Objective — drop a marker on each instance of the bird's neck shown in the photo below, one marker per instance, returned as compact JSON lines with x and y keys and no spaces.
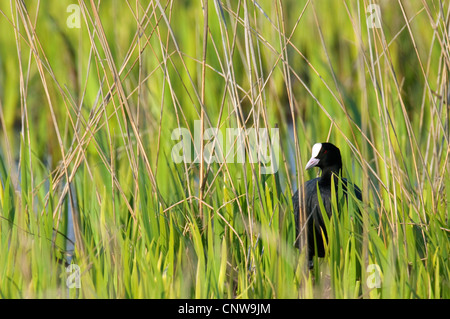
{"x":328,"y":173}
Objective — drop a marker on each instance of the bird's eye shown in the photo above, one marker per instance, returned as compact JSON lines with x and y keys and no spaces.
{"x":325,"y":151}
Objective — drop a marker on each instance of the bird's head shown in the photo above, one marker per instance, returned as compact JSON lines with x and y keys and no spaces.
{"x":325,"y":156}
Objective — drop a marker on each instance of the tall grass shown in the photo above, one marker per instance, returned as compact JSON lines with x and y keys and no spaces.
{"x":87,"y":176}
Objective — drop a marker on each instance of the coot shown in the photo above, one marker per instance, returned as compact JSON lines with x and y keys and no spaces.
{"x":327,"y":157}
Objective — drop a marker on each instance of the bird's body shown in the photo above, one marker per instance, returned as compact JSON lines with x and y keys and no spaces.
{"x":328,"y":158}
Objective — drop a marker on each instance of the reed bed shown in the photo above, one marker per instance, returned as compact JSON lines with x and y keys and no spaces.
{"x":92,"y":91}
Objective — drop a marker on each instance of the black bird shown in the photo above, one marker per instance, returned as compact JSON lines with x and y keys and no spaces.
{"x":327,"y":157}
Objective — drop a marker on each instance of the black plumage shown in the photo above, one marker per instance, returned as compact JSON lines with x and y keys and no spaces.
{"x":327,"y":157}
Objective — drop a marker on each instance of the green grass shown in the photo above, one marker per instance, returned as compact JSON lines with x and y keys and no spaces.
{"x":86,"y":117}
